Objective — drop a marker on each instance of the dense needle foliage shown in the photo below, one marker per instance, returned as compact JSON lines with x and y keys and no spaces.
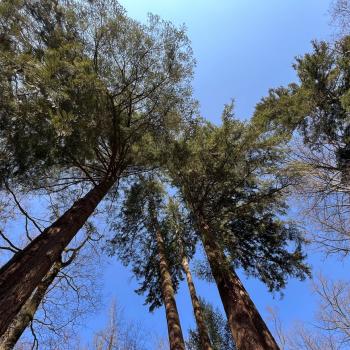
{"x":219,"y":331}
{"x":144,"y":211}
{"x":318,"y":104}
{"x":83,"y":86}
{"x":232,"y":177}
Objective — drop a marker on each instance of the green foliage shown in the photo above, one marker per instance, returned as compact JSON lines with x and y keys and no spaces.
{"x":144,"y":211}
{"x":218,"y":328}
{"x":318,"y":105}
{"x":181,"y":226}
{"x":82,"y":84}
{"x":232,"y":177}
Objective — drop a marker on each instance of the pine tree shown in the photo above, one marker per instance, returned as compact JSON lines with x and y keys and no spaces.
{"x":219,"y":330}
{"x":86,"y":91}
{"x":185,"y":239}
{"x":312,"y":116}
{"x":231,"y":180}
{"x":144,"y":240}
{"x":318,"y":105}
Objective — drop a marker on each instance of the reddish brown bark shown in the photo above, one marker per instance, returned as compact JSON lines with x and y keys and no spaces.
{"x":176,"y":339}
{"x":23,"y":273}
{"x":201,"y":325}
{"x":247,"y":326}
{"x":27,"y":312}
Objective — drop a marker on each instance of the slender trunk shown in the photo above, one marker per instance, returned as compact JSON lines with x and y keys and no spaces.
{"x":247,"y":326}
{"x":201,"y":325}
{"x":23,"y":273}
{"x":176,"y":339}
{"x":26,"y":314}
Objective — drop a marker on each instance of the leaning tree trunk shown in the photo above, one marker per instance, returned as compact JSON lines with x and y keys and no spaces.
{"x":247,"y":326}
{"x":23,"y":273}
{"x":26,"y":314}
{"x":176,"y":339}
{"x":198,"y":314}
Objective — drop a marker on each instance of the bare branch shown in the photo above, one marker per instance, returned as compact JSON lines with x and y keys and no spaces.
{"x":11,"y":247}
{"x":22,"y":210}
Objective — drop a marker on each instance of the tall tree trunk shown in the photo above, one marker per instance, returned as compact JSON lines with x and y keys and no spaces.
{"x":201,"y":325}
{"x":23,"y":273}
{"x":176,"y":339}
{"x":247,"y":326}
{"x":26,"y":314}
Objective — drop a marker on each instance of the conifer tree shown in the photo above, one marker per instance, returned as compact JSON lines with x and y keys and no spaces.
{"x":144,"y":240}
{"x":231,"y":181}
{"x":219,"y":330}
{"x":85,"y":90}
{"x":186,"y":240}
{"x":312,"y":114}
{"x":317,"y":105}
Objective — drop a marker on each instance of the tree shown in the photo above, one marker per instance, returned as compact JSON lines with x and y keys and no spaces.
{"x":340,"y":14}
{"x":85,"y":86}
{"x":26,"y":314}
{"x":333,"y":311}
{"x":118,"y":335}
{"x":144,"y":239}
{"x":302,"y":337}
{"x":331,"y":327}
{"x":230,"y":180}
{"x":203,"y":334}
{"x":183,"y":229}
{"x":313,"y":116}
{"x":219,"y":330}
{"x":70,"y":284}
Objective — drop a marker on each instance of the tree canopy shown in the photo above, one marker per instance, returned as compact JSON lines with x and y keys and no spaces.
{"x":95,"y":105}
{"x":232,"y":176}
{"x":83,"y":85}
{"x":318,"y":104}
{"x":135,"y":240}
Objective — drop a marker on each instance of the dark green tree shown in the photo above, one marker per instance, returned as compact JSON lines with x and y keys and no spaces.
{"x":313,"y":115}
{"x":318,"y":105}
{"x":232,"y":181}
{"x":86,"y":91}
{"x":145,"y":239}
{"x":185,"y":238}
{"x":219,"y":330}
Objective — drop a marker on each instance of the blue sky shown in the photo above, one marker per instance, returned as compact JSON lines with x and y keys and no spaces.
{"x":242,"y":48}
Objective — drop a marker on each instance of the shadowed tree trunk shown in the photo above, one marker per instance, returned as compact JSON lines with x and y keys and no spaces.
{"x":247,"y":326}
{"x":201,"y":325}
{"x":176,"y":339}
{"x":27,"y":268}
{"x":26,"y":314}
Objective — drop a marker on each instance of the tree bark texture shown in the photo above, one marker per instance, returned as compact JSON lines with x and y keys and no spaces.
{"x":198,"y":314}
{"x":28,"y":310}
{"x":176,"y":339}
{"x":247,"y":326}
